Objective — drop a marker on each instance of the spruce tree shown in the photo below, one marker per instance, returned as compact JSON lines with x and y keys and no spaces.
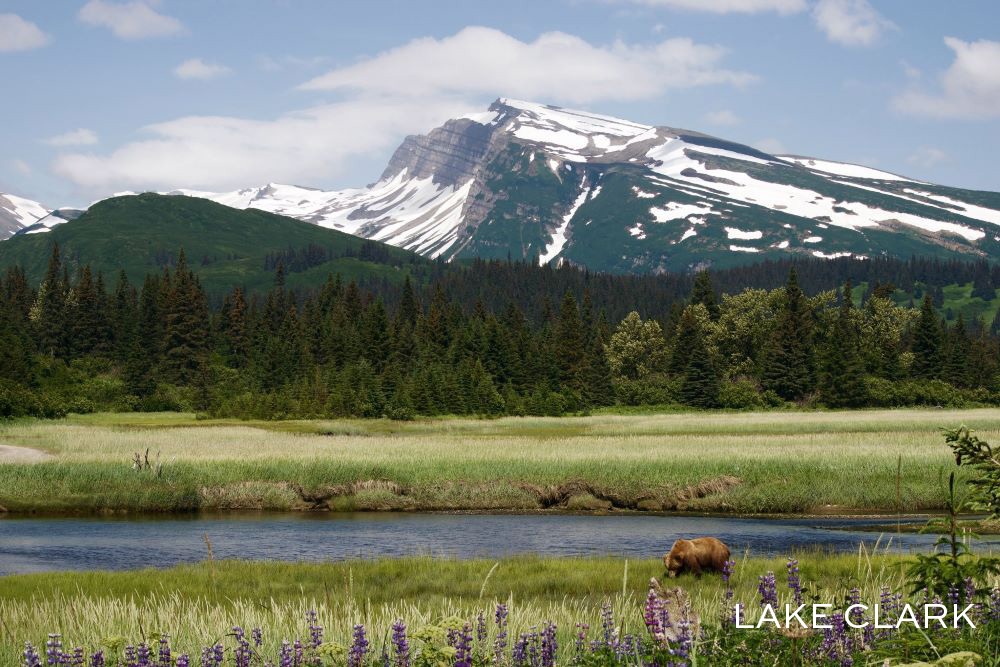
{"x":49,"y":312}
{"x":927,"y":344}
{"x":956,"y":363}
{"x":569,"y":345}
{"x":841,"y":378}
{"x":124,"y":318}
{"x":788,"y":362}
{"x":377,"y":343}
{"x":235,"y":332}
{"x":688,"y":329}
{"x":186,"y":326}
{"x":704,"y":293}
{"x":700,"y":380}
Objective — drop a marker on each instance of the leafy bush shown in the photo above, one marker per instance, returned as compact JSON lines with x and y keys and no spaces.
{"x":889,"y":394}
{"x":654,"y":389}
{"x":741,"y":394}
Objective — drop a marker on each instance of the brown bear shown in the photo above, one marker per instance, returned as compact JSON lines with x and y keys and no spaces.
{"x":696,"y":556}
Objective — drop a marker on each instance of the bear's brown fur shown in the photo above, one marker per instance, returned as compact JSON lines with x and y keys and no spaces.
{"x":696,"y":556}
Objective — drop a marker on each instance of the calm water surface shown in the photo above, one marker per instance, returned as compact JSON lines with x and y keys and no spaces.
{"x":45,"y":544}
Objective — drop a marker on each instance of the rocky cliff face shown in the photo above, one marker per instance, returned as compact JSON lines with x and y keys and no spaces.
{"x":449,"y":155}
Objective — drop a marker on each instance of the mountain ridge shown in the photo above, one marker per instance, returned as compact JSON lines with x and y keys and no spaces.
{"x":530,"y":180}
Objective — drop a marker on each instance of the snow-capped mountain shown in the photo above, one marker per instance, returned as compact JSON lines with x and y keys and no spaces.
{"x":528,"y":180}
{"x":16,"y":213}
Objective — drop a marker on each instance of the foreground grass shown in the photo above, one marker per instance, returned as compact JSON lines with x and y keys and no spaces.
{"x":743,"y":462}
{"x":194,"y":603}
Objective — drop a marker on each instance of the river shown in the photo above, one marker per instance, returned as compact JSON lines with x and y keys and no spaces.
{"x":47,"y":544}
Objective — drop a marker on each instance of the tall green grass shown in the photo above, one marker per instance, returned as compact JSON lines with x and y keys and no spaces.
{"x":196,"y":604}
{"x":783,"y":462}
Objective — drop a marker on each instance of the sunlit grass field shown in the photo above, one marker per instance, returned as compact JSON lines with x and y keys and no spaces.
{"x":770,"y":462}
{"x":197,"y":604}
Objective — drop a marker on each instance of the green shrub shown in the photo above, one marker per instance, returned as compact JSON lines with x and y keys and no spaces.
{"x":741,"y":394}
{"x":651,"y":390}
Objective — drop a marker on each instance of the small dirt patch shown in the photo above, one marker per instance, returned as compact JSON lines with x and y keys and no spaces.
{"x":11,"y":454}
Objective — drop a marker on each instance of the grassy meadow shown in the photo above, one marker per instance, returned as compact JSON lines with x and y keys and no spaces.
{"x":197,"y":604}
{"x":772,"y":462}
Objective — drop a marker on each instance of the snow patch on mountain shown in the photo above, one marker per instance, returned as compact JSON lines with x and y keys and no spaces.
{"x":17,"y":213}
{"x":558,"y":242}
{"x":843,"y":168}
{"x":733,"y":233}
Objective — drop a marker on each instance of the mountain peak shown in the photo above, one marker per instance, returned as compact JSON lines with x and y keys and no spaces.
{"x":527,"y":180}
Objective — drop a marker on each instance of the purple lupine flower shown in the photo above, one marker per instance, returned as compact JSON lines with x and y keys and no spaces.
{"x":143,"y":655}
{"x":854,"y":598}
{"x":97,"y":660}
{"x":995,"y":603}
{"x":31,"y":657}
{"x":582,"y":629}
{"x":836,"y":644}
{"x":684,"y":639}
{"x":794,"y":583}
{"x":257,"y":636}
{"x":728,"y":568}
{"x":549,"y":645}
{"x":519,"y":654}
{"x":315,"y":630}
{"x":608,"y":624}
{"x":767,"y":589}
{"x":285,"y":656}
{"x":359,"y":647}
{"x":500,"y":643}
{"x":53,"y":650}
{"x":480,"y":627}
{"x":166,"y":660}
{"x":970,"y":590}
{"x":212,"y":656}
{"x":77,"y":659}
{"x":243,"y":653}
{"x":299,"y":652}
{"x":534,"y":649}
{"x":400,"y":645}
{"x":652,"y":613}
{"x":953,"y":595}
{"x":463,"y":647}
{"x":183,"y":660}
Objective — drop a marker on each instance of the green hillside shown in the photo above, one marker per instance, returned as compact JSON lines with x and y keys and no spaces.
{"x":227,"y":247}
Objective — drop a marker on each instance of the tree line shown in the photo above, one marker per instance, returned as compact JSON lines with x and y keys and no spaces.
{"x":469,"y":342}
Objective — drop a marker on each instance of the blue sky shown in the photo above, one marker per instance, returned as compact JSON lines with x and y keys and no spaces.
{"x":110,"y":95}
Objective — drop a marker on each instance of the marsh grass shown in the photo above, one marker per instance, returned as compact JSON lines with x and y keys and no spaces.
{"x":196,"y":604}
{"x":785,"y":461}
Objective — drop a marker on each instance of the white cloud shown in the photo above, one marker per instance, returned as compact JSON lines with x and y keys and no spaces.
{"x":850,"y":22}
{"x":277,"y":64}
{"x":79,"y":137}
{"x":729,"y":6}
{"x":21,"y":166}
{"x":310,"y":147}
{"x":970,"y":87}
{"x":928,"y":157}
{"x":724,"y":117}
{"x":407,"y":90}
{"x":130,"y":20}
{"x":196,"y":68}
{"x":556,"y":67}
{"x":16,"y":34}
{"x":771,"y":145}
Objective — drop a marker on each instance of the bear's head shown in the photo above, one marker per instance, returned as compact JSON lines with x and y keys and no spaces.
{"x":674,"y":561}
